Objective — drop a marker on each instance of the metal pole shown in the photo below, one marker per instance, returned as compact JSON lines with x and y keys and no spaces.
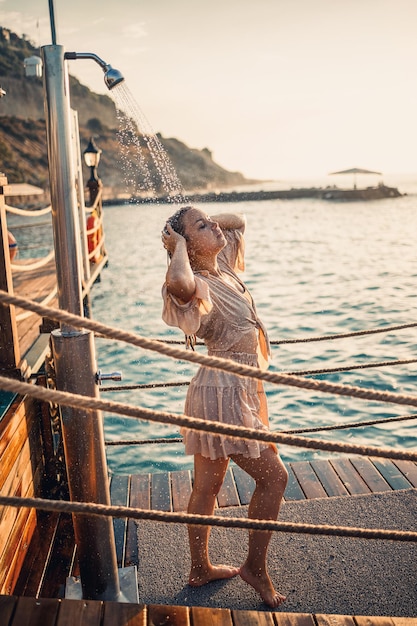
{"x":62,"y":180}
{"x":52,"y":21}
{"x":74,"y":350}
{"x":86,"y":466}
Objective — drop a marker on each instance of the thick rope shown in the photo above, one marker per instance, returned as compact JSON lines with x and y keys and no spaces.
{"x":292,"y":431}
{"x":348,"y":425}
{"x":28,"y":267}
{"x":204,"y":520}
{"x":208,"y":361}
{"x":357,"y":333}
{"x":348,"y":368}
{"x":329,"y":370}
{"x":183,"y":383}
{"x":26,"y":213}
{"x":88,"y":402}
{"x":143,"y":442}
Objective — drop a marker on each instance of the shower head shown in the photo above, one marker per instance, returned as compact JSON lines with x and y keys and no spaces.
{"x":112,"y":77}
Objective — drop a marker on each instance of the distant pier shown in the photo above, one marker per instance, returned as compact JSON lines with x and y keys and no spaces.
{"x":319,"y":193}
{"x":328,"y":193}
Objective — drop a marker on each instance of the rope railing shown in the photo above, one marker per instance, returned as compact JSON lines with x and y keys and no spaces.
{"x":291,"y":431}
{"x":96,"y":235}
{"x":125,"y":512}
{"x":352,"y":425}
{"x":27,"y":213}
{"x":195,"y":423}
{"x":98,"y":247}
{"x":98,"y":198}
{"x":99,"y":223}
{"x":97,"y":201}
{"x":183,"y":383}
{"x":329,"y":370}
{"x":28,"y":267}
{"x":143,"y":442}
{"x":209,"y":361}
{"x":349,"y":368}
{"x":51,"y":295}
{"x":86,"y":402}
{"x":356,"y":333}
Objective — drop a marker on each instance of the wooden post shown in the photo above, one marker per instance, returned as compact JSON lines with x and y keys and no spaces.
{"x":10,"y":362}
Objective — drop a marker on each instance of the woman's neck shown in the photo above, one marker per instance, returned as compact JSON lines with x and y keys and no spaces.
{"x":203,"y":264}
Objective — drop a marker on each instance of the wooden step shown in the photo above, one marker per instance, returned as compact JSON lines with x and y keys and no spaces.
{"x":24,"y":611}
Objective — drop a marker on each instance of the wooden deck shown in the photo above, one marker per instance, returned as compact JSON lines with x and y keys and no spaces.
{"x":52,"y":556}
{"x":307,"y":479}
{"x":37,"y":284}
{"x":53,"y":612}
{"x":170,"y":492}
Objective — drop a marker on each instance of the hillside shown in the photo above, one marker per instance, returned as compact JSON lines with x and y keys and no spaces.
{"x":23,"y":156}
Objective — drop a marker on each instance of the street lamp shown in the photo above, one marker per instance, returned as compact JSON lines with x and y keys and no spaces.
{"x":92,"y":158}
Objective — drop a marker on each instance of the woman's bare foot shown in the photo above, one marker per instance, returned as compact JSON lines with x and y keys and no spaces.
{"x":263,"y":585}
{"x":200,"y":576}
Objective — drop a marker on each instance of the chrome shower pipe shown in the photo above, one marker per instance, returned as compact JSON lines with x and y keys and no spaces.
{"x":62,"y":177}
{"x":112,"y":77}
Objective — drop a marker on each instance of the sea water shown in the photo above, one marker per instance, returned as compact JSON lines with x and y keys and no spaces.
{"x":314,"y":268}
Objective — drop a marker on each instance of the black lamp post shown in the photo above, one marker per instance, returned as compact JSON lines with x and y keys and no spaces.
{"x":92,"y":158}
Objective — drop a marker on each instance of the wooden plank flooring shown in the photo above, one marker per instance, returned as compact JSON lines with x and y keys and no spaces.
{"x":170,"y":492}
{"x":26,"y":611}
{"x":307,"y":480}
{"x":36,"y":285}
{"x":51,"y":560}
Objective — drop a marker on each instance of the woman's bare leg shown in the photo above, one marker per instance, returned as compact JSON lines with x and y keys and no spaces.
{"x":271,"y":478}
{"x":208,"y":478}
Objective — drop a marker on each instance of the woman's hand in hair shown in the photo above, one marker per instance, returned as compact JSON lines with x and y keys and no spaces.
{"x":171,"y":239}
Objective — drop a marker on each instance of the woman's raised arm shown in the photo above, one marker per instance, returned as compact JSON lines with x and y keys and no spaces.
{"x":179,"y":280}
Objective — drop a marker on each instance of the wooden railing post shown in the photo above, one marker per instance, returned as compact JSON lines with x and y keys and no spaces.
{"x":10,"y":361}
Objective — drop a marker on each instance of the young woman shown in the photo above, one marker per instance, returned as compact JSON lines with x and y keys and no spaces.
{"x":203,"y":296}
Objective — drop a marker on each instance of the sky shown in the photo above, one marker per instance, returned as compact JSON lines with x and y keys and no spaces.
{"x":276,"y":89}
